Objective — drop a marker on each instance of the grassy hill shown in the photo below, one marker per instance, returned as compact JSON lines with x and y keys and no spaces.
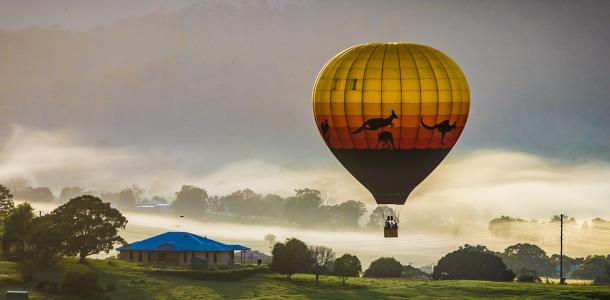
{"x":133,"y":282}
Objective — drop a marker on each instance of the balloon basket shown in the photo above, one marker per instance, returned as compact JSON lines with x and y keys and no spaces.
{"x":390,"y":232}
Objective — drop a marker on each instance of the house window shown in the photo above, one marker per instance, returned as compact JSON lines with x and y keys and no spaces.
{"x":140,"y":256}
{"x":185,"y":257}
{"x":149,"y":258}
{"x":161,"y":256}
{"x":207,"y":256}
{"x":130,"y":255}
{"x":192,"y":255}
{"x":215,"y":258}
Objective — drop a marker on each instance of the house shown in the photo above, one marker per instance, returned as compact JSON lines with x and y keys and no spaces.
{"x":179,"y":248}
{"x":253,"y":257}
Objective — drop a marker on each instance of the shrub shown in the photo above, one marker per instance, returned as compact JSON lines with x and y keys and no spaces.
{"x":384,"y":267}
{"x":473,"y":263}
{"x":527,"y":275}
{"x":199,"y":263}
{"x":81,"y":284}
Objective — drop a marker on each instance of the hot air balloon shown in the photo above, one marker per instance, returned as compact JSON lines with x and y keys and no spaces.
{"x":390,"y":113}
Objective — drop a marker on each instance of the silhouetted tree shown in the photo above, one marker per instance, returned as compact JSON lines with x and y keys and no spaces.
{"x":70,"y":192}
{"x":472,"y":262}
{"x":593,"y":267}
{"x":291,"y":257}
{"x":322,"y":258}
{"x":90,"y":225}
{"x":39,"y":194}
{"x":384,"y":267}
{"x":190,"y":201}
{"x":304,"y":206}
{"x":347,"y":266}
{"x":346,"y":214}
{"x":570,"y":264}
{"x":527,"y":257}
{"x":46,"y":238}
{"x":378,"y":216}
{"x":15,"y":228}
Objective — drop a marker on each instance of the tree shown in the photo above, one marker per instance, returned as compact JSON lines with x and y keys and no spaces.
{"x":413,"y":273}
{"x":39,"y":194}
{"x":474,"y":263}
{"x":378,"y":216}
{"x":70,"y":192}
{"x":291,"y":257}
{"x":15,"y":228}
{"x":270,"y":238}
{"x":322,"y":258}
{"x":46,"y":238}
{"x":524,"y":258}
{"x":304,"y":206}
{"x":190,"y":201}
{"x":346,"y":214}
{"x":90,"y":225}
{"x":593,"y":267}
{"x":384,"y":267}
{"x":347,"y":266}
{"x":6,"y":204}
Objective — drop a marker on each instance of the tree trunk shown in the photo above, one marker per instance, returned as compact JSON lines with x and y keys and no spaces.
{"x":343,"y":280}
{"x":317,"y":276}
{"x":82,"y":259}
{"x":288,"y":276}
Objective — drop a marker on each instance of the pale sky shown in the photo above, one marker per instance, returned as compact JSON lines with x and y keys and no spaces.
{"x":160,"y":93}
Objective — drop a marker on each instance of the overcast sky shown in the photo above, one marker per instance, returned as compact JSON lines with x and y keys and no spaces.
{"x":161,"y":93}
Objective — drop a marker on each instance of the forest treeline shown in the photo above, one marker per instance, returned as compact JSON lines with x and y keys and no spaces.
{"x":307,"y":207}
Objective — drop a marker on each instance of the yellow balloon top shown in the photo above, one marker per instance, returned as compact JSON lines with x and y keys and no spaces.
{"x":414,"y":88}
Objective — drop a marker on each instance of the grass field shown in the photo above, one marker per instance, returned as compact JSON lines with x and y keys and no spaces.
{"x":134,"y":282}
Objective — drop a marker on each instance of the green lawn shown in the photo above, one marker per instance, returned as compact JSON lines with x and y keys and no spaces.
{"x":134,"y":282}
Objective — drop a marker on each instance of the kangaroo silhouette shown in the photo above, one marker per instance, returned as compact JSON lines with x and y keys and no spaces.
{"x":385,"y":139}
{"x":442,"y":127}
{"x":376,"y":123}
{"x":325,"y":128}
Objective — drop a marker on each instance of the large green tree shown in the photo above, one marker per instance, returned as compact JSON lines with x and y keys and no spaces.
{"x":347,"y":266}
{"x":6,"y":201}
{"x":15,"y":228}
{"x":47,"y":239}
{"x":91,"y":226}
{"x":291,"y":257}
{"x":472,"y":262}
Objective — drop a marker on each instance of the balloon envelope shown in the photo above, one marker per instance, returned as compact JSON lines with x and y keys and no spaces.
{"x":390,"y":113}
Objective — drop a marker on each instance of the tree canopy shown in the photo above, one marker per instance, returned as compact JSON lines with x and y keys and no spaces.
{"x":322,"y":260}
{"x":91,"y":226}
{"x":190,"y":201}
{"x":472,"y":262}
{"x":525,"y":258}
{"x":347,"y":266}
{"x":15,"y":228}
{"x":291,"y":257}
{"x":384,"y":267}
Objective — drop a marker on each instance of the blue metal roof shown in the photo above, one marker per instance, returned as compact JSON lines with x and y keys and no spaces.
{"x":180,"y":241}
